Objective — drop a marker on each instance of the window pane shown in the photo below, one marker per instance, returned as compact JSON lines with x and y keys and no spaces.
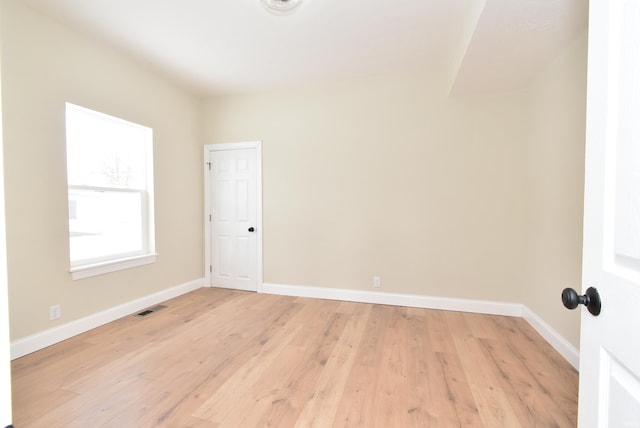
{"x":103,"y":151}
{"x":105,"y":223}
{"x":110,"y":181}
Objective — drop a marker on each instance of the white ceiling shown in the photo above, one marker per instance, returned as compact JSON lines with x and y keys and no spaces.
{"x":224,"y":46}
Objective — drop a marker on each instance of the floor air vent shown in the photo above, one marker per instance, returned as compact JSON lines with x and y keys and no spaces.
{"x":151,"y":310}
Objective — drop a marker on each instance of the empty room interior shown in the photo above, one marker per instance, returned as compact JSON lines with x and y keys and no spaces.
{"x":418,"y":212}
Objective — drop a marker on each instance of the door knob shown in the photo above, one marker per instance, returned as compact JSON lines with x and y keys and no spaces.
{"x":591,"y":299}
{"x":252,"y":229}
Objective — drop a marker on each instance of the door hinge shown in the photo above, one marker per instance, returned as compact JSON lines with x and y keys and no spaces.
{"x":209,"y":164}
{"x":209,"y":217}
{"x":210,"y":268}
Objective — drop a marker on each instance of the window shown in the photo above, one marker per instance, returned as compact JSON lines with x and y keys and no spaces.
{"x":110,"y":180}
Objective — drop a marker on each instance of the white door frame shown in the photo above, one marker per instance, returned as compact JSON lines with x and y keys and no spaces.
{"x":257,"y":145}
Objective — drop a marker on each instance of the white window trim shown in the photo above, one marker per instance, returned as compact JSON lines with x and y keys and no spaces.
{"x":87,"y":271}
{"x":148,"y":254}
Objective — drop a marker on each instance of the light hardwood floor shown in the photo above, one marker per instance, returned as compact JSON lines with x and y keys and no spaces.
{"x":221,"y":358}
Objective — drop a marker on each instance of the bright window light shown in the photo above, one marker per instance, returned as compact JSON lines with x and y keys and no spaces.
{"x":110,"y":183}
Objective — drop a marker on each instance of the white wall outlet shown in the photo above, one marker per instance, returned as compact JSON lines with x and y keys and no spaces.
{"x":376,"y":281}
{"x":54,"y":312}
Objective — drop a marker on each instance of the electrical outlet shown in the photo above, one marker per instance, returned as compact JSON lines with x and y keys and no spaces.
{"x":54,"y":312}
{"x":376,"y":281}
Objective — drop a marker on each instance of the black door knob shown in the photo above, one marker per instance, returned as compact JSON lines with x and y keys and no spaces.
{"x":252,"y":229}
{"x":591,"y":299}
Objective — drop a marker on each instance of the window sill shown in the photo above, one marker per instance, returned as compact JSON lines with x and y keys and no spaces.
{"x":87,"y":271}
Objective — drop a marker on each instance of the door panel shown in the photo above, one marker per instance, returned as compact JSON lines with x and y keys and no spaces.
{"x":234,"y":210}
{"x":223,"y":252}
{"x":621,"y":392}
{"x":609,"y":345}
{"x":242,"y":200}
{"x":243,"y":250}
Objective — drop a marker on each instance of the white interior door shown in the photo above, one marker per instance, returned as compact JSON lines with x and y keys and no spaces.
{"x":234,"y":215}
{"x":610,"y":342}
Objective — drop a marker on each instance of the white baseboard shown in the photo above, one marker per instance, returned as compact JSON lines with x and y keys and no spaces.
{"x":560,"y":344}
{"x":57,"y":334}
{"x":54,"y":335}
{"x":397,"y":299}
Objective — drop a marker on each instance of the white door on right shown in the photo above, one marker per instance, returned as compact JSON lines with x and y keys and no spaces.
{"x":234,"y":218}
{"x":610,"y":342}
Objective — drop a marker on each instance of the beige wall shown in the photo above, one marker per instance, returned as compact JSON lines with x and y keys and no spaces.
{"x":473,"y":197}
{"x":387,"y":176}
{"x":556,"y":188}
{"x":43,"y":66}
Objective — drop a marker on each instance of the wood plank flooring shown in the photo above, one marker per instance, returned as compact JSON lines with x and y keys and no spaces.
{"x":221,"y":358}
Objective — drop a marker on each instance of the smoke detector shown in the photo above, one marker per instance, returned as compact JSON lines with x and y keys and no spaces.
{"x":281,"y":7}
